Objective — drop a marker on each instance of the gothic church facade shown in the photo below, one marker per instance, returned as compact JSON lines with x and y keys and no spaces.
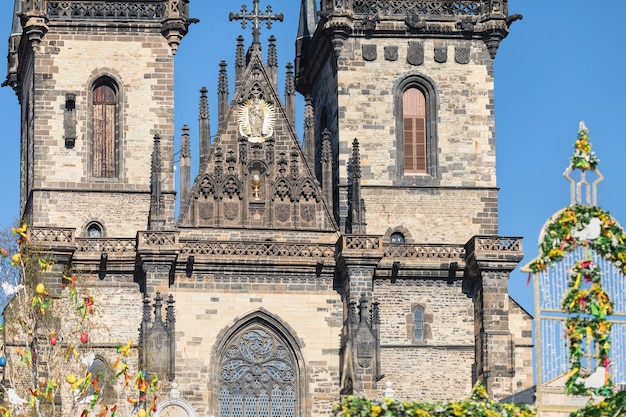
{"x":296,"y":270}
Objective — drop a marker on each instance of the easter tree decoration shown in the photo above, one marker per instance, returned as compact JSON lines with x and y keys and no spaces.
{"x":51,"y":366}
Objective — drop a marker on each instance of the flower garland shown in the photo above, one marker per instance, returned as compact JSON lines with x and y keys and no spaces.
{"x":565,"y":232}
{"x":584,"y":158}
{"x":477,"y":405}
{"x":577,"y":329}
{"x":591,"y":227}
{"x":593,"y":300}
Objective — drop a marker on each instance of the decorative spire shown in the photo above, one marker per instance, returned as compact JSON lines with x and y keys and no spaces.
{"x":256,"y":18}
{"x":185,"y":148}
{"x":362,"y":308}
{"x":356,"y":221}
{"x":290,"y":88}
{"x":185,"y":164}
{"x":205,"y":128}
{"x":356,"y":159}
{"x":375,"y":320}
{"x":290,"y":93}
{"x":16,"y":27}
{"x":272,"y":60}
{"x":157,"y":307}
{"x":222,"y":94}
{"x":309,"y":129}
{"x":240,"y":60}
{"x":222,"y":85}
{"x":156,"y":199}
{"x":158,"y":338}
{"x":327,"y":166}
{"x":583,"y":159}
{"x":170,"y":319}
{"x":294,"y":162}
{"x":306,"y":29}
{"x":352,"y":316}
{"x":144,"y":329}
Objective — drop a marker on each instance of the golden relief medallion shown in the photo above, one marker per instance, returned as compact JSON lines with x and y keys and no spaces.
{"x":256,"y":120}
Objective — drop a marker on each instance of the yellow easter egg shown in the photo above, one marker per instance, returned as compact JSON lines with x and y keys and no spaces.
{"x":71,"y":378}
{"x":40,"y":288}
{"x":141,"y":413}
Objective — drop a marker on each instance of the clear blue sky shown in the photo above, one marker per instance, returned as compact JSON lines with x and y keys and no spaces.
{"x":562,"y":63}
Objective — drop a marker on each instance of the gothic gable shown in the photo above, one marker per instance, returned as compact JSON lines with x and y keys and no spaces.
{"x":256,"y":175}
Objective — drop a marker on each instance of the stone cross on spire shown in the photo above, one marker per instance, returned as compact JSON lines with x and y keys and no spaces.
{"x":256,"y":18}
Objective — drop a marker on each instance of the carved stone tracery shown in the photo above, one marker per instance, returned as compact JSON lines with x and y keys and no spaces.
{"x":431,"y":7}
{"x":271,"y":249}
{"x":259,"y":371}
{"x":106,"y":9}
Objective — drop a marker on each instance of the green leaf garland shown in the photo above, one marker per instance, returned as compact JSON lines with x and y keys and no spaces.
{"x":586,"y":300}
{"x":477,"y":405}
{"x":560,"y":238}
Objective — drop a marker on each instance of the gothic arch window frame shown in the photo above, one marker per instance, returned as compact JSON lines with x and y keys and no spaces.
{"x":428,"y":89}
{"x":111,"y":80}
{"x":279,"y":329}
{"x":95,"y":230}
{"x":426,"y":324}
{"x":408,"y":238}
{"x":418,"y":323}
{"x":91,"y":223}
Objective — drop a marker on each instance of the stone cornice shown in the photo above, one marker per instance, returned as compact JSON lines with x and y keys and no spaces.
{"x":481,"y":253}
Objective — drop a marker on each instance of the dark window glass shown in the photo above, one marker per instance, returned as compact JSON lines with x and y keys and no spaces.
{"x":396,"y":238}
{"x":418,"y":324}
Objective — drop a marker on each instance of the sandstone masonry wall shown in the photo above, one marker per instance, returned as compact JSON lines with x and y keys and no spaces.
{"x":212,"y":304}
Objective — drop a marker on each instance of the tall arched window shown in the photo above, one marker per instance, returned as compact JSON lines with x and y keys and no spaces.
{"x":104,"y":129}
{"x":258,"y":375}
{"x":416,"y":127}
{"x":414,"y":130}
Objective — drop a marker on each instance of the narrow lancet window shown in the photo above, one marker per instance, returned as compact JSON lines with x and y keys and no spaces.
{"x":418,"y":323}
{"x":414,"y":126}
{"x":104,"y":122}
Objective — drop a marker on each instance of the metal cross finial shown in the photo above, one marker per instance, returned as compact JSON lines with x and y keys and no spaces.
{"x":256,"y":18}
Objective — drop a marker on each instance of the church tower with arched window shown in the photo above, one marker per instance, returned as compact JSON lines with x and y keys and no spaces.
{"x":401,"y":96}
{"x":85,"y":149}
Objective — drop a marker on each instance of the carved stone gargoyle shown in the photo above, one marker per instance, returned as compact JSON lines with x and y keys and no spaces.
{"x":415,"y":22}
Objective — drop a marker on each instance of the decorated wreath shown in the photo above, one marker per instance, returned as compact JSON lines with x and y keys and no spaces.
{"x":585,"y":301}
{"x":581,"y":225}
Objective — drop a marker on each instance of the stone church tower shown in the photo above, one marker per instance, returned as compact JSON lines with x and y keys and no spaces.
{"x":365,"y":256}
